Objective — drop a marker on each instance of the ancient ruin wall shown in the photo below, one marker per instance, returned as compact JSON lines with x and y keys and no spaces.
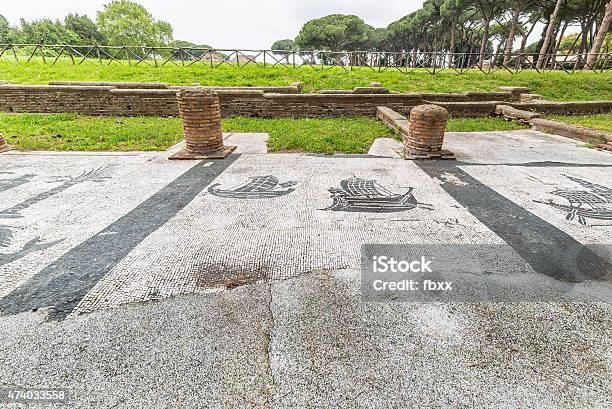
{"x":110,"y":99}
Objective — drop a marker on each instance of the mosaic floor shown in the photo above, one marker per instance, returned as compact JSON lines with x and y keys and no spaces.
{"x":84,"y":232}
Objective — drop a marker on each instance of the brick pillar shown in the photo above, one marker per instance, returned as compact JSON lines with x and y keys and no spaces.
{"x":426,"y":136}
{"x":201,"y":117}
{"x":3,"y":145}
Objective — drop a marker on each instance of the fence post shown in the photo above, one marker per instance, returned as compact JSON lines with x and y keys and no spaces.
{"x":437,"y":60}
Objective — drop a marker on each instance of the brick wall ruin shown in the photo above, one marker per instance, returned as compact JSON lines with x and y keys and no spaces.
{"x":155,"y":99}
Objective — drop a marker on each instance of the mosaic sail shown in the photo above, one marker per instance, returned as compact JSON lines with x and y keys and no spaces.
{"x":257,"y":187}
{"x":360,"y":195}
{"x":593,"y":203}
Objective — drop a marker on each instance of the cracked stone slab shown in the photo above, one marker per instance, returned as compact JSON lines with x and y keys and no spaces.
{"x":310,"y":340}
{"x":305,"y":339}
{"x":187,"y":352}
{"x":332,"y":350}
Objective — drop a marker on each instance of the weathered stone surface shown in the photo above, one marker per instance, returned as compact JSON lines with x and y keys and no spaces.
{"x":565,"y":108}
{"x":515,"y":91}
{"x":370,"y":90}
{"x":530,"y":97}
{"x":570,"y":131}
{"x":509,"y":112}
{"x":393,"y":120}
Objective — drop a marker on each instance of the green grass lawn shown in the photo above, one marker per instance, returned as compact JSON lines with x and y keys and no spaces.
{"x":482,"y":124}
{"x":74,"y":132}
{"x":338,"y":135}
{"x":342,"y":135}
{"x":600,"y":121}
{"x":552,"y":85}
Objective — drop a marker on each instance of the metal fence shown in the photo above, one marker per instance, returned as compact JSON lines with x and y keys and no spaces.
{"x":405,"y":62}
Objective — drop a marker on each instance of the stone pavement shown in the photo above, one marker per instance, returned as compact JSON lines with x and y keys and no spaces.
{"x":256,"y":262}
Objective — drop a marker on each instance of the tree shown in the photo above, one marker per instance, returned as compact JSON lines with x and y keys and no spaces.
{"x":401,"y":34}
{"x":8,"y":34}
{"x":285,"y":45}
{"x":124,"y":22}
{"x":568,"y":43}
{"x":450,"y":13}
{"x":284,"y":48}
{"x":85,"y":28}
{"x":46,"y":31}
{"x":517,"y":6}
{"x":336,"y":32}
{"x":549,"y":33}
{"x":377,"y":40}
{"x":488,"y":10}
{"x":604,"y":27}
{"x":408,"y":33}
{"x":190,"y":51}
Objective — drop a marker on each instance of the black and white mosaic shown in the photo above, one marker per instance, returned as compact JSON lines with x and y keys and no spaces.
{"x":368,"y":196}
{"x":225,"y":242}
{"x":200,"y":227}
{"x":592,"y":201}
{"x":257,"y":187}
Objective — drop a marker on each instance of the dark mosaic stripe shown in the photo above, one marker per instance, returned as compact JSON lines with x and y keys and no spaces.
{"x":8,"y":184}
{"x":64,"y":283}
{"x":546,"y":248}
{"x":546,"y":165}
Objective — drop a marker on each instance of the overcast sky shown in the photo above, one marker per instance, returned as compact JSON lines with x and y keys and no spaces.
{"x":225,"y":23}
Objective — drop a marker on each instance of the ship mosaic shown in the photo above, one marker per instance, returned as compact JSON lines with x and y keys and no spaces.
{"x":257,"y":187}
{"x":368,"y":196}
{"x":592,"y":202}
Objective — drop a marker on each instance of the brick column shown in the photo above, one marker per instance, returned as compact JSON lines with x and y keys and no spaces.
{"x":426,"y":136}
{"x":3,"y":145}
{"x":201,"y":117}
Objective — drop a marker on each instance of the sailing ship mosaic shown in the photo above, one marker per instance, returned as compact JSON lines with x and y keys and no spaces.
{"x":257,"y":187}
{"x":368,"y":196}
{"x":592,"y":202}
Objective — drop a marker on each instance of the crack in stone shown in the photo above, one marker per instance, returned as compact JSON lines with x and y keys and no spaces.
{"x":272,"y":391}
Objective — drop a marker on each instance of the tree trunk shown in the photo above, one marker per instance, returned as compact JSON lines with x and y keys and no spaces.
{"x":510,"y":40}
{"x":561,"y":34}
{"x":485,"y":40}
{"x":497,"y":53}
{"x":541,"y":40}
{"x":583,"y":47}
{"x":451,"y":48}
{"x":549,"y":34}
{"x":526,"y":37}
{"x":601,"y":35}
